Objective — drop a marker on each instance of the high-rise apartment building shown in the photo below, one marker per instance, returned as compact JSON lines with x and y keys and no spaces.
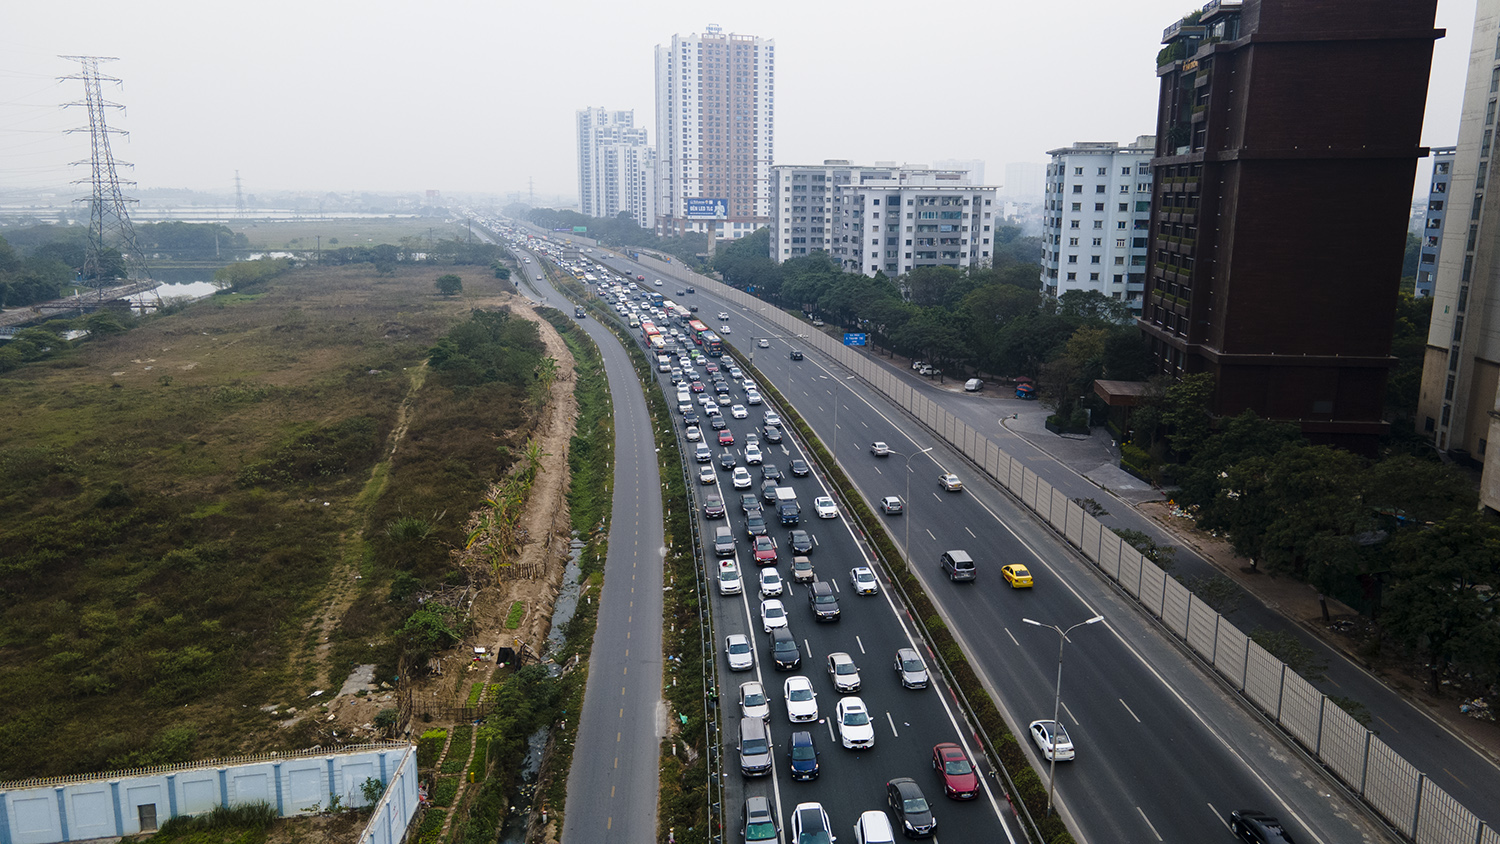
{"x":715,"y":133}
{"x":616,"y":166}
{"x":1096,"y":219}
{"x":1286,"y":145}
{"x":1459,"y":405}
{"x":1431,"y":233}
{"x":882,"y":218}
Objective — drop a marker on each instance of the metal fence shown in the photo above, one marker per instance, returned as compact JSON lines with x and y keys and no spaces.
{"x":1390,"y":785}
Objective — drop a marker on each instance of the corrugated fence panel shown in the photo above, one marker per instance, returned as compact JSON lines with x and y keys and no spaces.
{"x":1263,"y":679}
{"x":1444,"y":820}
{"x":1109,"y":553}
{"x":1089,"y":538}
{"x":1342,"y":746}
{"x":1057,"y":514}
{"x":1073,"y":518}
{"x":1028,"y":489}
{"x":1044,"y":499}
{"x":1391,"y":785}
{"x":1202,"y":622}
{"x":1301,"y":709}
{"x":1229,"y":653}
{"x":1153,"y":580}
{"x":1174,"y":606}
{"x":1132,"y":565}
{"x":1015,"y":481}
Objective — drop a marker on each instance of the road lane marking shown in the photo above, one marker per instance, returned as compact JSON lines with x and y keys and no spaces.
{"x":1128,"y":709}
{"x":1012,"y":636}
{"x":971,"y":533}
{"x":1460,"y":782}
{"x":892,"y":723}
{"x":831,"y":736}
{"x":1148,"y":823}
{"x":1388,"y":724}
{"x":1071,"y":716}
{"x":1220,"y":817}
{"x":929,"y":533}
{"x":861,"y":644}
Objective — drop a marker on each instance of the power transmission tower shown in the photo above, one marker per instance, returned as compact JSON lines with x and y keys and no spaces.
{"x":239,"y":196}
{"x":109,"y":221}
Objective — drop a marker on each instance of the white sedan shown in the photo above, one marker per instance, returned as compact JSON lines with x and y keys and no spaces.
{"x":752,"y":397}
{"x":753,"y":703}
{"x":739,"y":411}
{"x":772,"y":614}
{"x":864,"y":581}
{"x":724,"y":329}
{"x":741,"y":478}
{"x":1052,"y":739}
{"x":723,"y":315}
{"x":773,"y":418}
{"x":825,"y":508}
{"x":853,"y":721}
{"x":693,"y":434}
{"x":741,"y":655}
{"x":801,"y":700}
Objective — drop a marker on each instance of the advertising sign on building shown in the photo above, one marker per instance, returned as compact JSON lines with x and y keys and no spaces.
{"x":701,"y":208}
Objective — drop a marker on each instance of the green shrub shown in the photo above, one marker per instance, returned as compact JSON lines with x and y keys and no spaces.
{"x":444,"y":790}
{"x":430,"y":747}
{"x":517,"y":612}
{"x":432,"y":824}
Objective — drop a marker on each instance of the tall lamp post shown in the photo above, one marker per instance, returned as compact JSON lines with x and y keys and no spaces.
{"x":1062,"y":637}
{"x":906,"y":542}
{"x":838,"y":389}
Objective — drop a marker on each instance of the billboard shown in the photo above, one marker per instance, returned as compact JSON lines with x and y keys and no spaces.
{"x":700,"y":208}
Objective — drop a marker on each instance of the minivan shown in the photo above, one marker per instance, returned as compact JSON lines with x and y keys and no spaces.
{"x":724,"y":541}
{"x":958,"y":565}
{"x":755,"y":748}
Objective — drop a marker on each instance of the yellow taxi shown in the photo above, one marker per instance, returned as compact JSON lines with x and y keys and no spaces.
{"x":1017,"y":576}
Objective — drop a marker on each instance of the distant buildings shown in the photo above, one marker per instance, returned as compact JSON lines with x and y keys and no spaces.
{"x":616,"y":166}
{"x":715,"y":133}
{"x":1096,"y":219}
{"x":1431,"y":233}
{"x":1458,"y":403}
{"x":1286,"y":145}
{"x":882,"y":218}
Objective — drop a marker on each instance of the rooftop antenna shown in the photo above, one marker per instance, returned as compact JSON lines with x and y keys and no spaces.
{"x":109,"y":221}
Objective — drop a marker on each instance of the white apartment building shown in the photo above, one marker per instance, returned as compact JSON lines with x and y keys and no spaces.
{"x":715,"y":133}
{"x":882,"y":218}
{"x":1433,"y":215}
{"x":616,"y":166}
{"x":1096,"y":219}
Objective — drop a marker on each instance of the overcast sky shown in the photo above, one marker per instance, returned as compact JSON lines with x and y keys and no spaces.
{"x":457,"y":96}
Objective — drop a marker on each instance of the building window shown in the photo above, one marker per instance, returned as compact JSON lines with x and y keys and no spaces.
{"x":1093,"y":276}
{"x":1099,"y":224}
{"x":1073,"y":224}
{"x":1078,"y":171}
{"x":1099,"y":206}
{"x":1072,"y":241}
{"x":1094,"y":259}
{"x":1072,"y":259}
{"x":1104,"y":171}
{"x":1078,"y":206}
{"x":1072,"y":276}
{"x":1099,"y":188}
{"x":1079,"y":188}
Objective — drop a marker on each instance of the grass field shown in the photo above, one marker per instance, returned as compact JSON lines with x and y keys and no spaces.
{"x":173,"y":501}
{"x":303,"y":234}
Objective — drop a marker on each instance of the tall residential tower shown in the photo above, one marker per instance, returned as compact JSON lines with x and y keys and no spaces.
{"x":616,"y":166}
{"x":1097,"y":219}
{"x":715,"y":133}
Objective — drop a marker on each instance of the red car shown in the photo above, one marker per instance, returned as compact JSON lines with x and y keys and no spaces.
{"x":765,"y":551}
{"x":725,"y":437}
{"x":697,"y":387}
{"x":960,"y":782}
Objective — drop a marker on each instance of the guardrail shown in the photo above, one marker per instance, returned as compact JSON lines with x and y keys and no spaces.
{"x":1394,"y":788}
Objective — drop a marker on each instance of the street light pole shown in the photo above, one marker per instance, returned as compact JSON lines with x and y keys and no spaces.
{"x":1062,"y":637}
{"x":906,"y":542}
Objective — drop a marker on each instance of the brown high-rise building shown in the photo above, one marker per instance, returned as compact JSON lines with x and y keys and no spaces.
{"x":1287,"y":139}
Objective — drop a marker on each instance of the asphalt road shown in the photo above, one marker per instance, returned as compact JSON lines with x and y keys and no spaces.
{"x":612,"y":786}
{"x":1164,"y":752}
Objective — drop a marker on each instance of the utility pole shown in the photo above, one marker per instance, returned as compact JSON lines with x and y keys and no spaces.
{"x":109,"y":221}
{"x":239,"y":196}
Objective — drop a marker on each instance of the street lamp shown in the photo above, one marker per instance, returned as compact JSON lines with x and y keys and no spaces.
{"x":906,"y":542}
{"x":838,"y":388}
{"x":1062,"y":636}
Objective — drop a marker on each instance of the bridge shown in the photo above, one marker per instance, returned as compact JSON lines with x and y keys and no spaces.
{"x":77,"y":303}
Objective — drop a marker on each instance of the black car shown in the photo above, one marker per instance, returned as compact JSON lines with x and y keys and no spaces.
{"x":799,"y":467}
{"x":910,"y":807}
{"x":800,"y":540}
{"x":755,"y":524}
{"x":784,"y":650}
{"x":773,"y":434}
{"x":768,"y":491}
{"x":721,"y":386}
{"x":691,"y":290}
{"x":768,"y":471}
{"x":726,"y":461}
{"x":750,"y":504}
{"x":823,"y":600}
{"x":689,"y":418}
{"x":804,"y":756}
{"x":1256,"y":827}
{"x":717,"y":422}
{"x":693,"y":309}
{"x":796,"y":355}
{"x":713,"y":508}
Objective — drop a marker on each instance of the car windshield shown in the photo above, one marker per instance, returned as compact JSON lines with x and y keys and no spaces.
{"x":760,"y":831}
{"x":803,"y":753}
{"x":783,"y":645}
{"x":911,"y":664}
{"x":958,"y":766}
{"x":913,"y":805}
{"x":844,"y":668}
{"x":739,"y":647}
{"x":755,"y":699}
{"x":800,"y":694}
{"x":774,"y":612}
{"x":824,"y":598}
{"x":856,"y":718}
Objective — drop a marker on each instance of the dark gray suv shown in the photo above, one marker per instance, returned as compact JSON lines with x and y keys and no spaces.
{"x":824,"y":601}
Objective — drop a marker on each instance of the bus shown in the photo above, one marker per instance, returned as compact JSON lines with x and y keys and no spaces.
{"x":654,"y":298}
{"x":648,"y":328}
{"x":697,"y":329}
{"x":712,"y":345}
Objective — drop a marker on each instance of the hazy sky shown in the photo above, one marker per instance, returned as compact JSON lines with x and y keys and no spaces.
{"x":461,"y":96}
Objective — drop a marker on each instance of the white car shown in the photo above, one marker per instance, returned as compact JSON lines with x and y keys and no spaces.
{"x":753,"y":702}
{"x":772,"y":614}
{"x":865,"y":582}
{"x":753,"y":456}
{"x":853,"y":721}
{"x":770,"y":583}
{"x":706,"y":476}
{"x":773,"y":418}
{"x":880,"y":449}
{"x":737,"y":649}
{"x":724,"y":329}
{"x":874,"y":827}
{"x":1052,"y":739}
{"x":739,"y":411}
{"x":749,"y":385}
{"x":763,"y":343}
{"x":723,"y":315}
{"x":843,"y":672}
{"x":724,"y":399}
{"x":729,"y":578}
{"x":801,"y":700}
{"x":693,"y":433}
{"x":752,"y":397}
{"x":825,"y":508}
{"x":741,"y":478}
{"x":950,"y":482}
{"x":810,"y":824}
{"x":658,"y":282}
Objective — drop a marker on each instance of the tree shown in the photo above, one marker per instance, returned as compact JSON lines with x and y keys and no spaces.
{"x":1185,"y":413}
{"x":502,"y":272}
{"x":449,"y":284}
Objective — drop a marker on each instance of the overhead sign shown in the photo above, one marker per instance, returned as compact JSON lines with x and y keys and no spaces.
{"x":855,"y":339}
{"x":700,"y":208}
{"x":580,"y":229}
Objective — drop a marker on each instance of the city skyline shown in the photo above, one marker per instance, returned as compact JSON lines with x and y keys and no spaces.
{"x":313,"y":98}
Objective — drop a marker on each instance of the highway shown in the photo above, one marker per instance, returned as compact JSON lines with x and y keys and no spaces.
{"x":1164,"y":752}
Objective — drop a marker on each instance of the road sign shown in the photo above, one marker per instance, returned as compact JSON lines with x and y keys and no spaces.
{"x":854,"y":339}
{"x":702,"y":208}
{"x":580,"y":229}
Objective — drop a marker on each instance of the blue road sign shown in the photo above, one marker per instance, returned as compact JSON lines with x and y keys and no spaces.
{"x":854,"y":339}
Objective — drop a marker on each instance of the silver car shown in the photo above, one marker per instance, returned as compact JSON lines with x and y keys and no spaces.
{"x":911,"y":669}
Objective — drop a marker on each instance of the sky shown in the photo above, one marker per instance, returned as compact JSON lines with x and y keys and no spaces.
{"x":468,"y":97}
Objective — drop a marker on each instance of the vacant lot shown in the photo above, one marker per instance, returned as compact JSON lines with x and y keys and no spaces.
{"x":304,"y":234}
{"x":174,"y":501}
